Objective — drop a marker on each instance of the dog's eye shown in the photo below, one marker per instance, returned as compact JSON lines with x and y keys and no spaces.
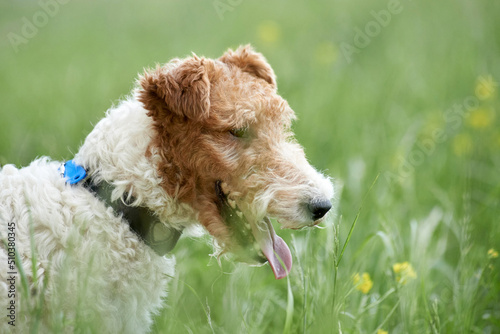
{"x":240,"y":132}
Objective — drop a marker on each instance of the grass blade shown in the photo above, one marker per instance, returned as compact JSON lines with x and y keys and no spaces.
{"x":355,"y":221}
{"x":289,"y":308}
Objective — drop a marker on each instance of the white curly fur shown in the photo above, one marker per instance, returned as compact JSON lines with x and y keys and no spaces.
{"x":79,"y":242}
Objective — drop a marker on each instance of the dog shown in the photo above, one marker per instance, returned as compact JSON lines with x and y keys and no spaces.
{"x":198,"y":142}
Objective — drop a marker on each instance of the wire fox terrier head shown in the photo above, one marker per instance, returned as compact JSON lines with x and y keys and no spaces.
{"x":227,"y":150}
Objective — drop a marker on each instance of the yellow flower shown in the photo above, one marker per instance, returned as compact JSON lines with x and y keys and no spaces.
{"x":269,"y":31}
{"x":362,"y":283}
{"x":485,"y":87}
{"x":404,"y":272}
{"x":481,"y":118}
{"x":381,"y":331}
{"x":492,"y":253}
{"x":326,"y":53}
{"x":462,"y":144}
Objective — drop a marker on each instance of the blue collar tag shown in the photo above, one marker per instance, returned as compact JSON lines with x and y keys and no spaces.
{"x":72,"y":172}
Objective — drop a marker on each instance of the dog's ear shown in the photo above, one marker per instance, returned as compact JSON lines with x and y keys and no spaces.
{"x":183,"y":89}
{"x":250,"y":61}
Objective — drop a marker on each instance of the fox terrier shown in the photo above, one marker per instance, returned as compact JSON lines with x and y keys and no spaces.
{"x":199,"y":141}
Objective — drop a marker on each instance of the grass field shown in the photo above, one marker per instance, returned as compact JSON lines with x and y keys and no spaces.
{"x":407,"y":90}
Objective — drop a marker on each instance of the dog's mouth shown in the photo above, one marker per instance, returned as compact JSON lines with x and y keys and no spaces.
{"x":257,"y":240}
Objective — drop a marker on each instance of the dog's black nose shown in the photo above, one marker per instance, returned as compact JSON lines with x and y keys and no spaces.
{"x":319,"y":208}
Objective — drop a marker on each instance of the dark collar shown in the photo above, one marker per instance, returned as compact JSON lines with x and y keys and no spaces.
{"x":159,"y":237}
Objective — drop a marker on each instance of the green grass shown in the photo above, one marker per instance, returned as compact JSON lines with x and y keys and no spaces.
{"x":374,"y":115}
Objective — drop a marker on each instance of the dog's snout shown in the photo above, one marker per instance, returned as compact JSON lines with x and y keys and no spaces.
{"x":319,"y":208}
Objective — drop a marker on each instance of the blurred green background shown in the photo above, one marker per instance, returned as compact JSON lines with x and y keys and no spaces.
{"x":407,"y":90}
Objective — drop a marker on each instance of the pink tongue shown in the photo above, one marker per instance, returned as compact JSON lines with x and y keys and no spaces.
{"x":274,"y":248}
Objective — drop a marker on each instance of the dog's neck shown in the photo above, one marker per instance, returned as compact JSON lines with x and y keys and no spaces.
{"x":118,"y":152}
{"x":159,"y":236}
